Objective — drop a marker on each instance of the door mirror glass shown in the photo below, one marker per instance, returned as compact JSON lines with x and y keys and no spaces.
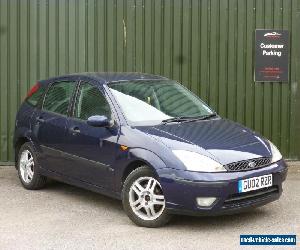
{"x":99,"y":121}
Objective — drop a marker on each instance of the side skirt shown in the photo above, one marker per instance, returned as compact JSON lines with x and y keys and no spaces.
{"x":78,"y":183}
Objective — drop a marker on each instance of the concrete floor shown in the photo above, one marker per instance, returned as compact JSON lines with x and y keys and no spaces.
{"x":65,"y":217}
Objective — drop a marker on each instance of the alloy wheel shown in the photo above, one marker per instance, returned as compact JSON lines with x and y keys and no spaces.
{"x":146,"y":198}
{"x":26,"y":166}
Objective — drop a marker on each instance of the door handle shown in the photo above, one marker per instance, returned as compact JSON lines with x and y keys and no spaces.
{"x":40,"y":119}
{"x":75,"y":130}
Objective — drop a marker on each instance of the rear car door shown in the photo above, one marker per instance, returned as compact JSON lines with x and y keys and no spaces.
{"x":51,"y":122}
{"x":93,"y":149}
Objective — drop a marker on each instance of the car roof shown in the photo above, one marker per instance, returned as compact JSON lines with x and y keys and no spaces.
{"x":107,"y":77}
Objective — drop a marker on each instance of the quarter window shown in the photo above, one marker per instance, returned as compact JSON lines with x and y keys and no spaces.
{"x":58,"y":97}
{"x":91,"y":102}
{"x":36,"y":95}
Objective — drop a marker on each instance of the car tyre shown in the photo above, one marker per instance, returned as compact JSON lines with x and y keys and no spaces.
{"x":143,"y":199}
{"x":27,"y":167}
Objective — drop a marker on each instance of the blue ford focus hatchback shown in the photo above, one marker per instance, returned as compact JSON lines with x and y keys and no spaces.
{"x":145,"y":140}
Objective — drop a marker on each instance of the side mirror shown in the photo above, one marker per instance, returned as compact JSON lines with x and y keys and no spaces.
{"x":100,"y":121}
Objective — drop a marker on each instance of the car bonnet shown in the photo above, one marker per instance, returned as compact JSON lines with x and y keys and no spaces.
{"x":223,"y":140}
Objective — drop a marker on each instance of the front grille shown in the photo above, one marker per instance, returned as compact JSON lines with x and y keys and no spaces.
{"x":240,"y":199}
{"x":248,"y":164}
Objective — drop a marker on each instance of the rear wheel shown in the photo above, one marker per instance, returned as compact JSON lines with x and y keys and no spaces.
{"x":27,"y":168}
{"x":143,"y":199}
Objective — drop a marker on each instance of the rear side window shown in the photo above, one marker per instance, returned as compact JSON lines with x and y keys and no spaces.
{"x":91,"y":102}
{"x":35,"y":94}
{"x":58,"y":97}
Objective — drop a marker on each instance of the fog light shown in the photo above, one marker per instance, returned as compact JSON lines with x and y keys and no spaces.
{"x":205,"y":201}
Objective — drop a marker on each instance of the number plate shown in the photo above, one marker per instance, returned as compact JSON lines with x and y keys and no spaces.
{"x":255,"y":183}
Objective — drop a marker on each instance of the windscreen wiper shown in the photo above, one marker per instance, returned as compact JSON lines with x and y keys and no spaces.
{"x":188,"y":118}
{"x":177,"y":119}
{"x":203,"y":117}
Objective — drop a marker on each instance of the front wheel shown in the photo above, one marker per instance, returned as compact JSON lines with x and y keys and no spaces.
{"x":143,"y":199}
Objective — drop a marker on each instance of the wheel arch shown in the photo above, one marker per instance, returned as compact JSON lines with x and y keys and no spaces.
{"x":141,"y":157}
{"x":134,"y":165}
{"x":18,"y":144}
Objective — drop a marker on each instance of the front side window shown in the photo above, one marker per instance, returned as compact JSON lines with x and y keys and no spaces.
{"x":150,"y":102}
{"x":91,"y":102}
{"x":58,"y":97}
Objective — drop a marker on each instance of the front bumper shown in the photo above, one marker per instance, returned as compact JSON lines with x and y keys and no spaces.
{"x":181,"y":188}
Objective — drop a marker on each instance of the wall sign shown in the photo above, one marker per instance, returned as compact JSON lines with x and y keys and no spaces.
{"x":271,"y":56}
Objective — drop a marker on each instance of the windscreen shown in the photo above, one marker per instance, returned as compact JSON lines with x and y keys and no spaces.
{"x":147,"y":102}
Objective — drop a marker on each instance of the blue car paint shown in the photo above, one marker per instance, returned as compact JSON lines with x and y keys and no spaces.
{"x":183,"y":187}
{"x":221,"y":139}
{"x":93,"y":159}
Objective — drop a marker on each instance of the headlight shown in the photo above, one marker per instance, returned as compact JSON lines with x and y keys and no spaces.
{"x":196,"y":162}
{"x":276,"y":155}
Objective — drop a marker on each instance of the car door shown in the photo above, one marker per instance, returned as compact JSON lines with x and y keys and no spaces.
{"x":93,"y":149}
{"x":50,"y":125}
